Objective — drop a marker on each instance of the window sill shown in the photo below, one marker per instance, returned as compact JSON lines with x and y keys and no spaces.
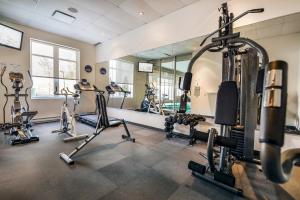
{"x":120,"y":97}
{"x":47,"y":98}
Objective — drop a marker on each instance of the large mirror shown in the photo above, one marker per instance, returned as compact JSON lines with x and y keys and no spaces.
{"x":166,"y":64}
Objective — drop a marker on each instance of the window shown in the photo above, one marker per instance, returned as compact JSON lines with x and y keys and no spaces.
{"x":52,"y":66}
{"x":121,"y":72}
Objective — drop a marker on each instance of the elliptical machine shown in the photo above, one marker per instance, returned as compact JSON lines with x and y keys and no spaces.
{"x":67,"y":118}
{"x":21,"y":117}
{"x":148,"y":104}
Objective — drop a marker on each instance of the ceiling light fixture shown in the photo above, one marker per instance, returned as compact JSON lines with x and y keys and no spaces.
{"x":141,"y":13}
{"x":73,"y":10}
{"x":63,"y":17}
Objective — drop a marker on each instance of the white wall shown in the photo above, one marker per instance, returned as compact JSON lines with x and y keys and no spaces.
{"x":189,"y":22}
{"x":207,"y":73}
{"x":46,"y":108}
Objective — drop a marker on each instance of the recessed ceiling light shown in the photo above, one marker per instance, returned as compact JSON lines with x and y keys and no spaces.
{"x":141,"y":13}
{"x":63,"y":17}
{"x":73,"y":10}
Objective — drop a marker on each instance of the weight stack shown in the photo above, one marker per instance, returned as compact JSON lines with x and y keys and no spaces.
{"x":238,"y":135}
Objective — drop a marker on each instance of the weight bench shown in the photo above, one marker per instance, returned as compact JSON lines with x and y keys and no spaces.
{"x":102,"y":124}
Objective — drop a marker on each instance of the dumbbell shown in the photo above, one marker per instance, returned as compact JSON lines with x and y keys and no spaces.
{"x":187,"y":120}
{"x":168,"y":124}
{"x":194,"y":123}
{"x":168,"y":129}
{"x":171,"y":119}
{"x":180,"y":119}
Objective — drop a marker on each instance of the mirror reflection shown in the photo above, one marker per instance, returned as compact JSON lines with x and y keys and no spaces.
{"x":152,"y":77}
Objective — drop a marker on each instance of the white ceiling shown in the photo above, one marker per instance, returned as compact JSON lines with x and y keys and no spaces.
{"x":96,"y":20}
{"x":274,"y":27}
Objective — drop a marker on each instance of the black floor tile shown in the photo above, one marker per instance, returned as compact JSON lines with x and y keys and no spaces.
{"x":123,"y":171}
{"x":150,"y":186}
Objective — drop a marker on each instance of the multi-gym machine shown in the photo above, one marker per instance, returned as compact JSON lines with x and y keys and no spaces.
{"x":235,"y":104}
{"x":20,"y":126}
{"x":276,"y":166}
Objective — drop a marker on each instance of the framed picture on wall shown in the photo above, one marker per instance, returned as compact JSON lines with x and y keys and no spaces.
{"x":10,"y":37}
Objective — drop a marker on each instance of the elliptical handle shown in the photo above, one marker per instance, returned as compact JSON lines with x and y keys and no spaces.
{"x":2,"y":71}
{"x":31,"y":82}
{"x":27,"y":89}
{"x":1,"y":78}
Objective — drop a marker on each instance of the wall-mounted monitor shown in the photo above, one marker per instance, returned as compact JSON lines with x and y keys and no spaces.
{"x":145,"y":67}
{"x":10,"y":37}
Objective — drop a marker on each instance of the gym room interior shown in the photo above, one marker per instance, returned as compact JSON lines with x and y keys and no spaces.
{"x":149,"y":99}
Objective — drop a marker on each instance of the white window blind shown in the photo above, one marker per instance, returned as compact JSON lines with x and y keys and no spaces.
{"x":121,"y":72}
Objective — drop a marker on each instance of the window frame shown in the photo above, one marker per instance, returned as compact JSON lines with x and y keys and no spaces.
{"x":56,"y":60}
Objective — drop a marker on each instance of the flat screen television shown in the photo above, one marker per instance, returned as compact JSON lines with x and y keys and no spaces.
{"x":10,"y":37}
{"x":145,"y":67}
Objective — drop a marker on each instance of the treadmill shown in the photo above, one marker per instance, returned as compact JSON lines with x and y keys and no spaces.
{"x":91,"y":117}
{"x":112,"y":88}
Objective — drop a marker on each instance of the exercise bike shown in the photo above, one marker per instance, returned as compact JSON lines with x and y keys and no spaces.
{"x":20,"y":126}
{"x":67,"y":118}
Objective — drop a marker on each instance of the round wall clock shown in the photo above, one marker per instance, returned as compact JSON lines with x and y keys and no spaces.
{"x":88,"y":68}
{"x":102,"y":71}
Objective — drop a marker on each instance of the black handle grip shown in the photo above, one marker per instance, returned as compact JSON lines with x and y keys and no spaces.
{"x":199,"y":135}
{"x":187,"y":81}
{"x":226,"y":142}
{"x":257,"y":10}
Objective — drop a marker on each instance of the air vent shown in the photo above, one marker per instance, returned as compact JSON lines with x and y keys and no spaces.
{"x":63,"y":17}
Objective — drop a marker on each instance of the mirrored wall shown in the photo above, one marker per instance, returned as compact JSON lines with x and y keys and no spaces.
{"x":163,"y":81}
{"x":279,"y":36}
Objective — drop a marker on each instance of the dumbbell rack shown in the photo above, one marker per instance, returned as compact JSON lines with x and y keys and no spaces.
{"x":191,"y":120}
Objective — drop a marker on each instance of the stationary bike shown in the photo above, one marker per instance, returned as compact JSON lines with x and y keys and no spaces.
{"x":20,"y":126}
{"x":67,"y":118}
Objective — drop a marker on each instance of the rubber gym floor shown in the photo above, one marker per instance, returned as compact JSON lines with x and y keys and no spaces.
{"x":108,"y":168}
